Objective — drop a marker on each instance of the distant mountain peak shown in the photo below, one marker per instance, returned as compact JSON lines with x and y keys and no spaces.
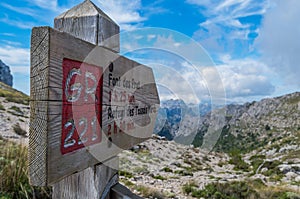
{"x":5,"y":74}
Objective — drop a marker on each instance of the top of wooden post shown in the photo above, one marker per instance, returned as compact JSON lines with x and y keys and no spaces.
{"x":86,"y":8}
{"x":88,"y":22}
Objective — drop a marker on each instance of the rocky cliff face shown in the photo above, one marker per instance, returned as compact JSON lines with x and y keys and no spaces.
{"x":5,"y":75}
{"x":251,"y":125}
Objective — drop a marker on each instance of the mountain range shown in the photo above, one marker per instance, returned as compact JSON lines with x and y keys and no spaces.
{"x":244,"y":127}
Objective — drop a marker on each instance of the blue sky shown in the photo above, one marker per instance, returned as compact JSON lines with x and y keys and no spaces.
{"x":253,"y":45}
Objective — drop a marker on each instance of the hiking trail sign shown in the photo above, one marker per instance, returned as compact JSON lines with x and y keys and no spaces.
{"x":88,"y":104}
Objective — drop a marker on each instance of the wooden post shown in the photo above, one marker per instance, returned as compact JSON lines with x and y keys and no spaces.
{"x":88,"y":104}
{"x":87,"y":22}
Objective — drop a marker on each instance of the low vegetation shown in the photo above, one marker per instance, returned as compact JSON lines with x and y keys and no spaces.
{"x":12,"y":95}
{"x":148,"y":192}
{"x":14,"y":182}
{"x":159,"y":177}
{"x":126,"y":174}
{"x":238,"y":162}
{"x":14,"y":110}
{"x":255,"y":189}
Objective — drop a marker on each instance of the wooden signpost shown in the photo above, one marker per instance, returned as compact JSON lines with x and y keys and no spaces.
{"x":87,"y":102}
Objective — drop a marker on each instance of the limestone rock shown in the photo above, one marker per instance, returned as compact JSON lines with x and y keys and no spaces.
{"x":5,"y":75}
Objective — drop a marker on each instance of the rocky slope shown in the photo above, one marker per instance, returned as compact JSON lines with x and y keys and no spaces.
{"x":14,"y":114}
{"x":244,"y":127}
{"x":249,"y":126}
{"x":266,"y":165}
{"x":165,"y":169}
{"x":258,"y":142}
{"x":5,"y":75}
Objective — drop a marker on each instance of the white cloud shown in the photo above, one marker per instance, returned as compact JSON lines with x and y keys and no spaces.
{"x":8,"y":34}
{"x":124,"y":12}
{"x":16,"y":58}
{"x":176,"y":84}
{"x":20,"y":10}
{"x":17,"y":23}
{"x":246,"y":78}
{"x":241,"y":81}
{"x":48,"y":5}
{"x":279,"y":40}
{"x":223,"y":28}
{"x":10,"y":43}
{"x":184,"y":69}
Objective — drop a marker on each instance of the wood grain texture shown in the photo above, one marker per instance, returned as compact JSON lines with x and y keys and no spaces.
{"x":87,"y":22}
{"x":94,"y":26}
{"x":38,"y":131}
{"x":88,"y":184}
{"x":47,"y":164}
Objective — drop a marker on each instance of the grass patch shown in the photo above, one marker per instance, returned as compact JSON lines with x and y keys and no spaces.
{"x":14,"y":182}
{"x":127,"y":183}
{"x":159,"y":177}
{"x":125,"y":174}
{"x":148,"y":192}
{"x":13,"y":95}
{"x":142,"y":169}
{"x":294,"y":100}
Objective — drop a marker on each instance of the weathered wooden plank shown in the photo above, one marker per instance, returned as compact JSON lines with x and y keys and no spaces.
{"x":88,"y":184}
{"x":38,"y":131}
{"x":133,"y":89}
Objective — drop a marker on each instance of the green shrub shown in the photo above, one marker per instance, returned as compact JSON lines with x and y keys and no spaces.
{"x":267,"y":128}
{"x":125,"y":174}
{"x":238,"y":162}
{"x":273,"y":170}
{"x":189,"y":187}
{"x":167,"y":169}
{"x":159,"y":177}
{"x":184,"y":173}
{"x":256,"y":161}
